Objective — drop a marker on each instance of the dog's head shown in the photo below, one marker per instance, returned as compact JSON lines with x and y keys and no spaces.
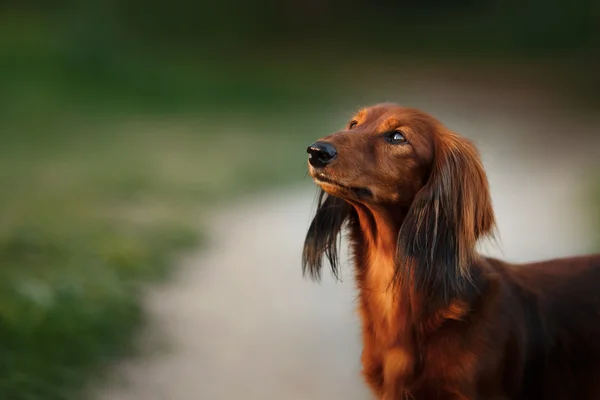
{"x":390,"y":157}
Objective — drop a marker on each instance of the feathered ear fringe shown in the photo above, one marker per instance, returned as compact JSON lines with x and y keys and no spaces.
{"x":436,"y":244}
{"x":323,"y":236}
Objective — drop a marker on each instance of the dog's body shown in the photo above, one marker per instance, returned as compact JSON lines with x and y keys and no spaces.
{"x":532,"y":332}
{"x":439,"y":320}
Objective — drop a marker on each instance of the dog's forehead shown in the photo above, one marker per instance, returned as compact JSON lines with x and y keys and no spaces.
{"x":382,"y":112}
{"x":390,"y":114}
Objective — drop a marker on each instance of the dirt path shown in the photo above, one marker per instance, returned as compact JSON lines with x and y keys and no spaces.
{"x":241,"y":323}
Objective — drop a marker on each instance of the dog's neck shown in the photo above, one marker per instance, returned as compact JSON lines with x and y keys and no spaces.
{"x":384,"y":309}
{"x":389,"y":308}
{"x":379,"y":227}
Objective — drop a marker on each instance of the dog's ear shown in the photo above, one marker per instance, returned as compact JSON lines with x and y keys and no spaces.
{"x":323,"y":236}
{"x":436,"y":243}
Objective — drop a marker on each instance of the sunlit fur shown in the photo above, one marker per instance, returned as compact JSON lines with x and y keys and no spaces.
{"x":440,"y":321}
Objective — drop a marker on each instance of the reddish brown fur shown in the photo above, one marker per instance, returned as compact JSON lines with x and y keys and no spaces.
{"x":440,"y":321}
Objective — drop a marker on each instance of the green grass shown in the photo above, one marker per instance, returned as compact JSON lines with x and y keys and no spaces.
{"x":104,"y":176}
{"x":108,"y":159}
{"x":91,"y":210}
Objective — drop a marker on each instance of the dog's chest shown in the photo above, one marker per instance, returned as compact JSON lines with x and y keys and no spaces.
{"x":389,"y":354}
{"x":438,"y":367}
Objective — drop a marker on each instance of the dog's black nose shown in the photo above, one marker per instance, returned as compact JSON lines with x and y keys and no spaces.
{"x":320,"y":154}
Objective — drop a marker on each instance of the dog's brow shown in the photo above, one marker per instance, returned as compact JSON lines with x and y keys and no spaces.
{"x":389,"y":124}
{"x":360,"y":115}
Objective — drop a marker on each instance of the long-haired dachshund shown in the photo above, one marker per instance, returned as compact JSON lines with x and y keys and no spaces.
{"x":440,"y":321}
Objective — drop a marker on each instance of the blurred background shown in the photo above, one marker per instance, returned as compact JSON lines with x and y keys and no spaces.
{"x":142,"y":138}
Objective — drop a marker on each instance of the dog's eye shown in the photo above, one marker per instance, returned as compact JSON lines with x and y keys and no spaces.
{"x":396,"y":137}
{"x":352,"y":124}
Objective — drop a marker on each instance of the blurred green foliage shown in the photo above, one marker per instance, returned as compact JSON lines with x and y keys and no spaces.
{"x":230,"y":53}
{"x":94,"y":212}
{"x":409,"y":25}
{"x":120,"y":120}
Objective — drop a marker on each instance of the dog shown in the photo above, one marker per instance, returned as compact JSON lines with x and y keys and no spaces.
{"x":439,"y":320}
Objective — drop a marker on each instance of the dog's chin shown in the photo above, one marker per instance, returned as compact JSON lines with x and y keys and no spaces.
{"x":343,"y":191}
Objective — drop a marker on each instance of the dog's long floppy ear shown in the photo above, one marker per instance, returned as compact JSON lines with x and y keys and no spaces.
{"x":323,"y":236}
{"x":437,"y":240}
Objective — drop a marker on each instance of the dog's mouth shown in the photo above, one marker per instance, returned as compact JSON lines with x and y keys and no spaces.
{"x":358,"y":191}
